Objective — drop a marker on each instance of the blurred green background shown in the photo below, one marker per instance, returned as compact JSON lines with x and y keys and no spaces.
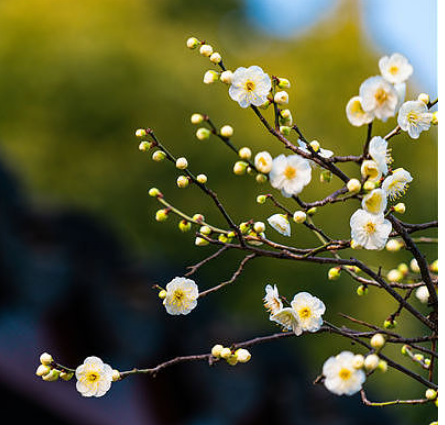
{"x":76,"y":80}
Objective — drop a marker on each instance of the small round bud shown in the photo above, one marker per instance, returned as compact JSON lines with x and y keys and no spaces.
{"x":261,"y":199}
{"x":383,"y":366}
{"x":46,"y":359}
{"x":240,"y":168}
{"x":403,"y":268}
{"x":389,"y":324}
{"x":199,"y":218}
{"x":404,"y":350}
{"x":354,"y":185}
{"x":242,"y":355}
{"x":394,"y":245}
{"x":52,"y":376}
{"x":315,"y":145}
{"x":225,"y":353}
{"x":145,"y":146}
{"x":226,"y":77}
{"x":245,"y":153}
{"x":400,"y":208}
{"x":115,"y":375}
{"x":435,"y":119}
{"x":371,"y":362}
{"x":202,"y":133}
{"x":184,"y":226}
{"x":325,"y":176}
{"x":286,"y":117}
{"x":283,"y":83}
{"x":159,"y":156}
{"x":196,"y":119}
{"x":66,"y":376}
{"x":424,"y":97}
{"x":205,"y":230}
{"x":362,"y":290}
{"x":430,"y":394}
{"x":434,"y":267}
{"x":215,"y":58}
{"x":263,"y":162}
{"x":422,"y":294}
{"x":394,"y":275}
{"x":182,"y":182}
{"x":285,"y":130}
{"x":201,"y":178}
{"x":216,"y":350}
{"x":232,"y":360}
{"x":259,"y":227}
{"x":299,"y":217}
{"x":378,"y":341}
{"x":193,"y":43}
{"x":261,"y":178}
{"x":226,"y":131}
{"x":210,"y":77}
{"x":42,"y":370}
{"x":244,"y":228}
{"x":154,"y":192}
{"x":182,"y":163}
{"x":162,"y":294}
{"x":414,"y":266}
{"x":161,"y":215}
{"x":369,"y":186}
{"x":201,"y":242}
{"x":140,"y":132}
{"x":281,"y":98}
{"x":206,"y":50}
{"x":358,"y":361}
{"x":312,"y":211}
{"x":223,"y":238}
{"x":334,"y":273}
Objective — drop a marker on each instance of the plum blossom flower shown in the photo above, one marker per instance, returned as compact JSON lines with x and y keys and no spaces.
{"x":309,"y":310}
{"x":94,"y":377}
{"x":250,"y":86}
{"x":272,"y":300}
{"x":379,"y":97}
{"x":355,"y":113}
{"x":370,"y":231}
{"x":378,"y":149}
{"x":280,"y":223}
{"x":396,"y":184}
{"x":287,"y":317}
{"x":395,"y":68}
{"x":375,"y":202}
{"x":290,"y":174}
{"x":414,"y":118}
{"x":341,"y":377}
{"x":181,"y":297}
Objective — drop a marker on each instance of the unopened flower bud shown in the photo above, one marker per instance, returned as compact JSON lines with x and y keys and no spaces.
{"x":427,"y":362}
{"x":422,"y":294}
{"x":210,"y":77}
{"x":244,"y":228}
{"x":404,"y":350}
{"x":184,"y":226}
{"x":358,"y":361}
{"x":403,"y":268}
{"x":223,"y":238}
{"x":334,"y":273}
{"x":201,"y":178}
{"x":216,"y":350}
{"x":242,"y":355}
{"x":199,"y":218}
{"x":325,"y":176}
{"x":285,"y":130}
{"x":193,"y":43}
{"x":434,"y":267}
{"x":283,"y":83}
{"x":181,"y":163}
{"x":354,"y":185}
{"x":46,"y":359}
{"x":315,"y":145}
{"x":202,"y":133}
{"x":215,"y":58}
{"x":419,"y":357}
{"x":281,"y":97}
{"x":226,"y":131}
{"x":66,"y":376}
{"x":159,"y":156}
{"x":261,"y":178}
{"x":299,"y":217}
{"x":240,"y":168}
{"x":378,"y":341}
{"x":196,"y":119}
{"x":424,"y":97}
{"x":265,"y":105}
{"x":369,"y":186}
{"x":140,"y":132}
{"x":43,"y":370}
{"x":430,"y":394}
{"x":394,"y":245}
{"x":182,"y":182}
{"x":145,"y":146}
{"x":435,"y":119}
{"x":206,"y":50}
{"x":414,"y":266}
{"x":226,"y":77}
{"x":362,"y":290}
{"x":371,"y":362}
{"x":400,"y":208}
{"x":389,"y":324}
{"x":52,"y":376}
{"x":261,"y":199}
{"x":162,"y":294}
{"x":225,"y":353}
{"x":259,"y":227}
{"x":115,"y":375}
{"x":205,"y":230}
{"x":286,"y":117}
{"x":382,"y":366}
{"x":394,"y":275}
{"x":201,"y":242}
{"x":311,"y":211}
{"x":161,"y":215}
{"x":232,"y":360}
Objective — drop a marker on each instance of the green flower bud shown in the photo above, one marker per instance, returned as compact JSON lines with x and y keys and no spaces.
{"x":261,"y":199}
{"x":261,"y":178}
{"x":334,"y":273}
{"x":184,"y":226}
{"x":154,"y":192}
{"x":285,"y":130}
{"x":202,"y":133}
{"x":145,"y":146}
{"x":161,"y":215}
{"x":192,"y":43}
{"x":159,"y":156}
{"x":388,"y":324}
{"x":325,"y":176}
{"x":362,"y":290}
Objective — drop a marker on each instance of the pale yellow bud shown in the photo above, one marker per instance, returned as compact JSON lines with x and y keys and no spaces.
{"x":299,"y":217}
{"x":383,"y":366}
{"x":430,"y":394}
{"x":52,"y":376}
{"x":424,"y":97}
{"x":182,"y":182}
{"x":435,"y":119}
{"x":216,"y":350}
{"x":225,"y":353}
{"x":215,"y":58}
{"x":371,"y":362}
{"x":259,"y":227}
{"x":210,"y":77}
{"x":158,"y":156}
{"x":400,"y":208}
{"x":240,"y":168}
{"x":206,"y":50}
{"x":140,"y":132}
{"x":414,"y":266}
{"x":226,"y":131}
{"x":162,"y":294}
{"x":197,"y":119}
{"x":358,"y":361}
{"x":242,"y":355}
{"x":202,"y":133}
{"x":261,"y":178}
{"x":369,"y":186}
{"x":46,"y":359}
{"x":245,"y":153}
{"x":394,"y":275}
{"x":66,"y":376}
{"x":354,"y":185}
{"x":42,"y":370}
{"x":281,"y":98}
{"x":232,"y":360}
{"x":193,"y":43}
{"x":283,"y":83}
{"x":181,"y":163}
{"x":226,"y":77}
{"x":394,"y":245}
{"x":378,"y":341}
{"x":201,"y":242}
{"x":201,"y":178}
{"x":115,"y":375}
{"x":315,"y":145}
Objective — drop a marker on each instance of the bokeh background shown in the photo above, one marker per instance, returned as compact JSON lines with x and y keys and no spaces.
{"x":79,"y":247}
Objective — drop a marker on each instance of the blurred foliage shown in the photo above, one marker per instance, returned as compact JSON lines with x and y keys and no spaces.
{"x":77,"y":78}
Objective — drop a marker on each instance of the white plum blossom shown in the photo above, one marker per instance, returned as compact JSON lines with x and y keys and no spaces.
{"x":370,"y":231}
{"x":287,"y":317}
{"x":355,"y":113}
{"x":290,"y":174}
{"x":272,"y":300}
{"x":379,"y":97}
{"x":341,"y":377}
{"x":94,"y":377}
{"x":181,"y":297}
{"x":371,"y":170}
{"x":309,"y":310}
{"x":263,"y":162}
{"x":250,"y":86}
{"x":414,"y":118}
{"x":280,"y":223}
{"x":396,"y":184}
{"x":378,"y":149}
{"x":375,"y":202}
{"x":422,"y":294}
{"x":395,"y":68}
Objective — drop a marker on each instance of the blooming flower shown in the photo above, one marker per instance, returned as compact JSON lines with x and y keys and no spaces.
{"x":341,"y":377}
{"x":181,"y":296}
{"x":272,"y":300}
{"x":309,"y":310}
{"x":290,"y":174}
{"x":396,"y":184}
{"x":355,"y":113}
{"x":287,"y":317}
{"x":396,"y":68}
{"x":414,"y":118}
{"x":371,"y":170}
{"x":379,"y":97}
{"x":378,"y":149}
{"x":370,"y":231}
{"x":280,"y":223}
{"x":250,"y":86}
{"x":94,"y":377}
{"x":263,"y":162}
{"x":375,"y":201}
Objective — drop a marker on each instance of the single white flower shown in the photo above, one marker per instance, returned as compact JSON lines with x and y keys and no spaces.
{"x":341,"y":377}
{"x":290,"y":174}
{"x":182,"y":295}
{"x":250,"y":86}
{"x":94,"y":377}
{"x":379,"y":97}
{"x":263,"y":162}
{"x":375,"y":202}
{"x":280,"y":223}
{"x":378,"y":149}
{"x":355,"y":113}
{"x":414,"y":118}
{"x":371,"y":170}
{"x":396,"y":184}
{"x":395,"y":68}
{"x":370,"y":231}
{"x":272,"y":300}
{"x":422,"y":294}
{"x":309,"y":310}
{"x":287,"y":317}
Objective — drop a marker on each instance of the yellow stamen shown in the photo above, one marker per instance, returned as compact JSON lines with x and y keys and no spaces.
{"x":290,"y":172}
{"x":370,"y":227}
{"x":344,"y":374}
{"x":305,"y":313}
{"x":249,"y":85}
{"x":394,"y":70}
{"x":380,"y":96}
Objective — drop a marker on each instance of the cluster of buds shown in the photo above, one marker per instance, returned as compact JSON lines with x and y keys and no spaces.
{"x":419,"y":358}
{"x":241,"y":355}
{"x":48,"y":372}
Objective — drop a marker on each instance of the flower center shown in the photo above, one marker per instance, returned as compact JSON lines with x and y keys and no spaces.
{"x":92,"y":377}
{"x":394,"y":70}
{"x":370,"y":227}
{"x":344,"y":374}
{"x":249,"y":85}
{"x":178,"y":296}
{"x":305,"y":313}
{"x":356,"y":108}
{"x":380,"y":96}
{"x":290,"y":172}
{"x":412,"y":117}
